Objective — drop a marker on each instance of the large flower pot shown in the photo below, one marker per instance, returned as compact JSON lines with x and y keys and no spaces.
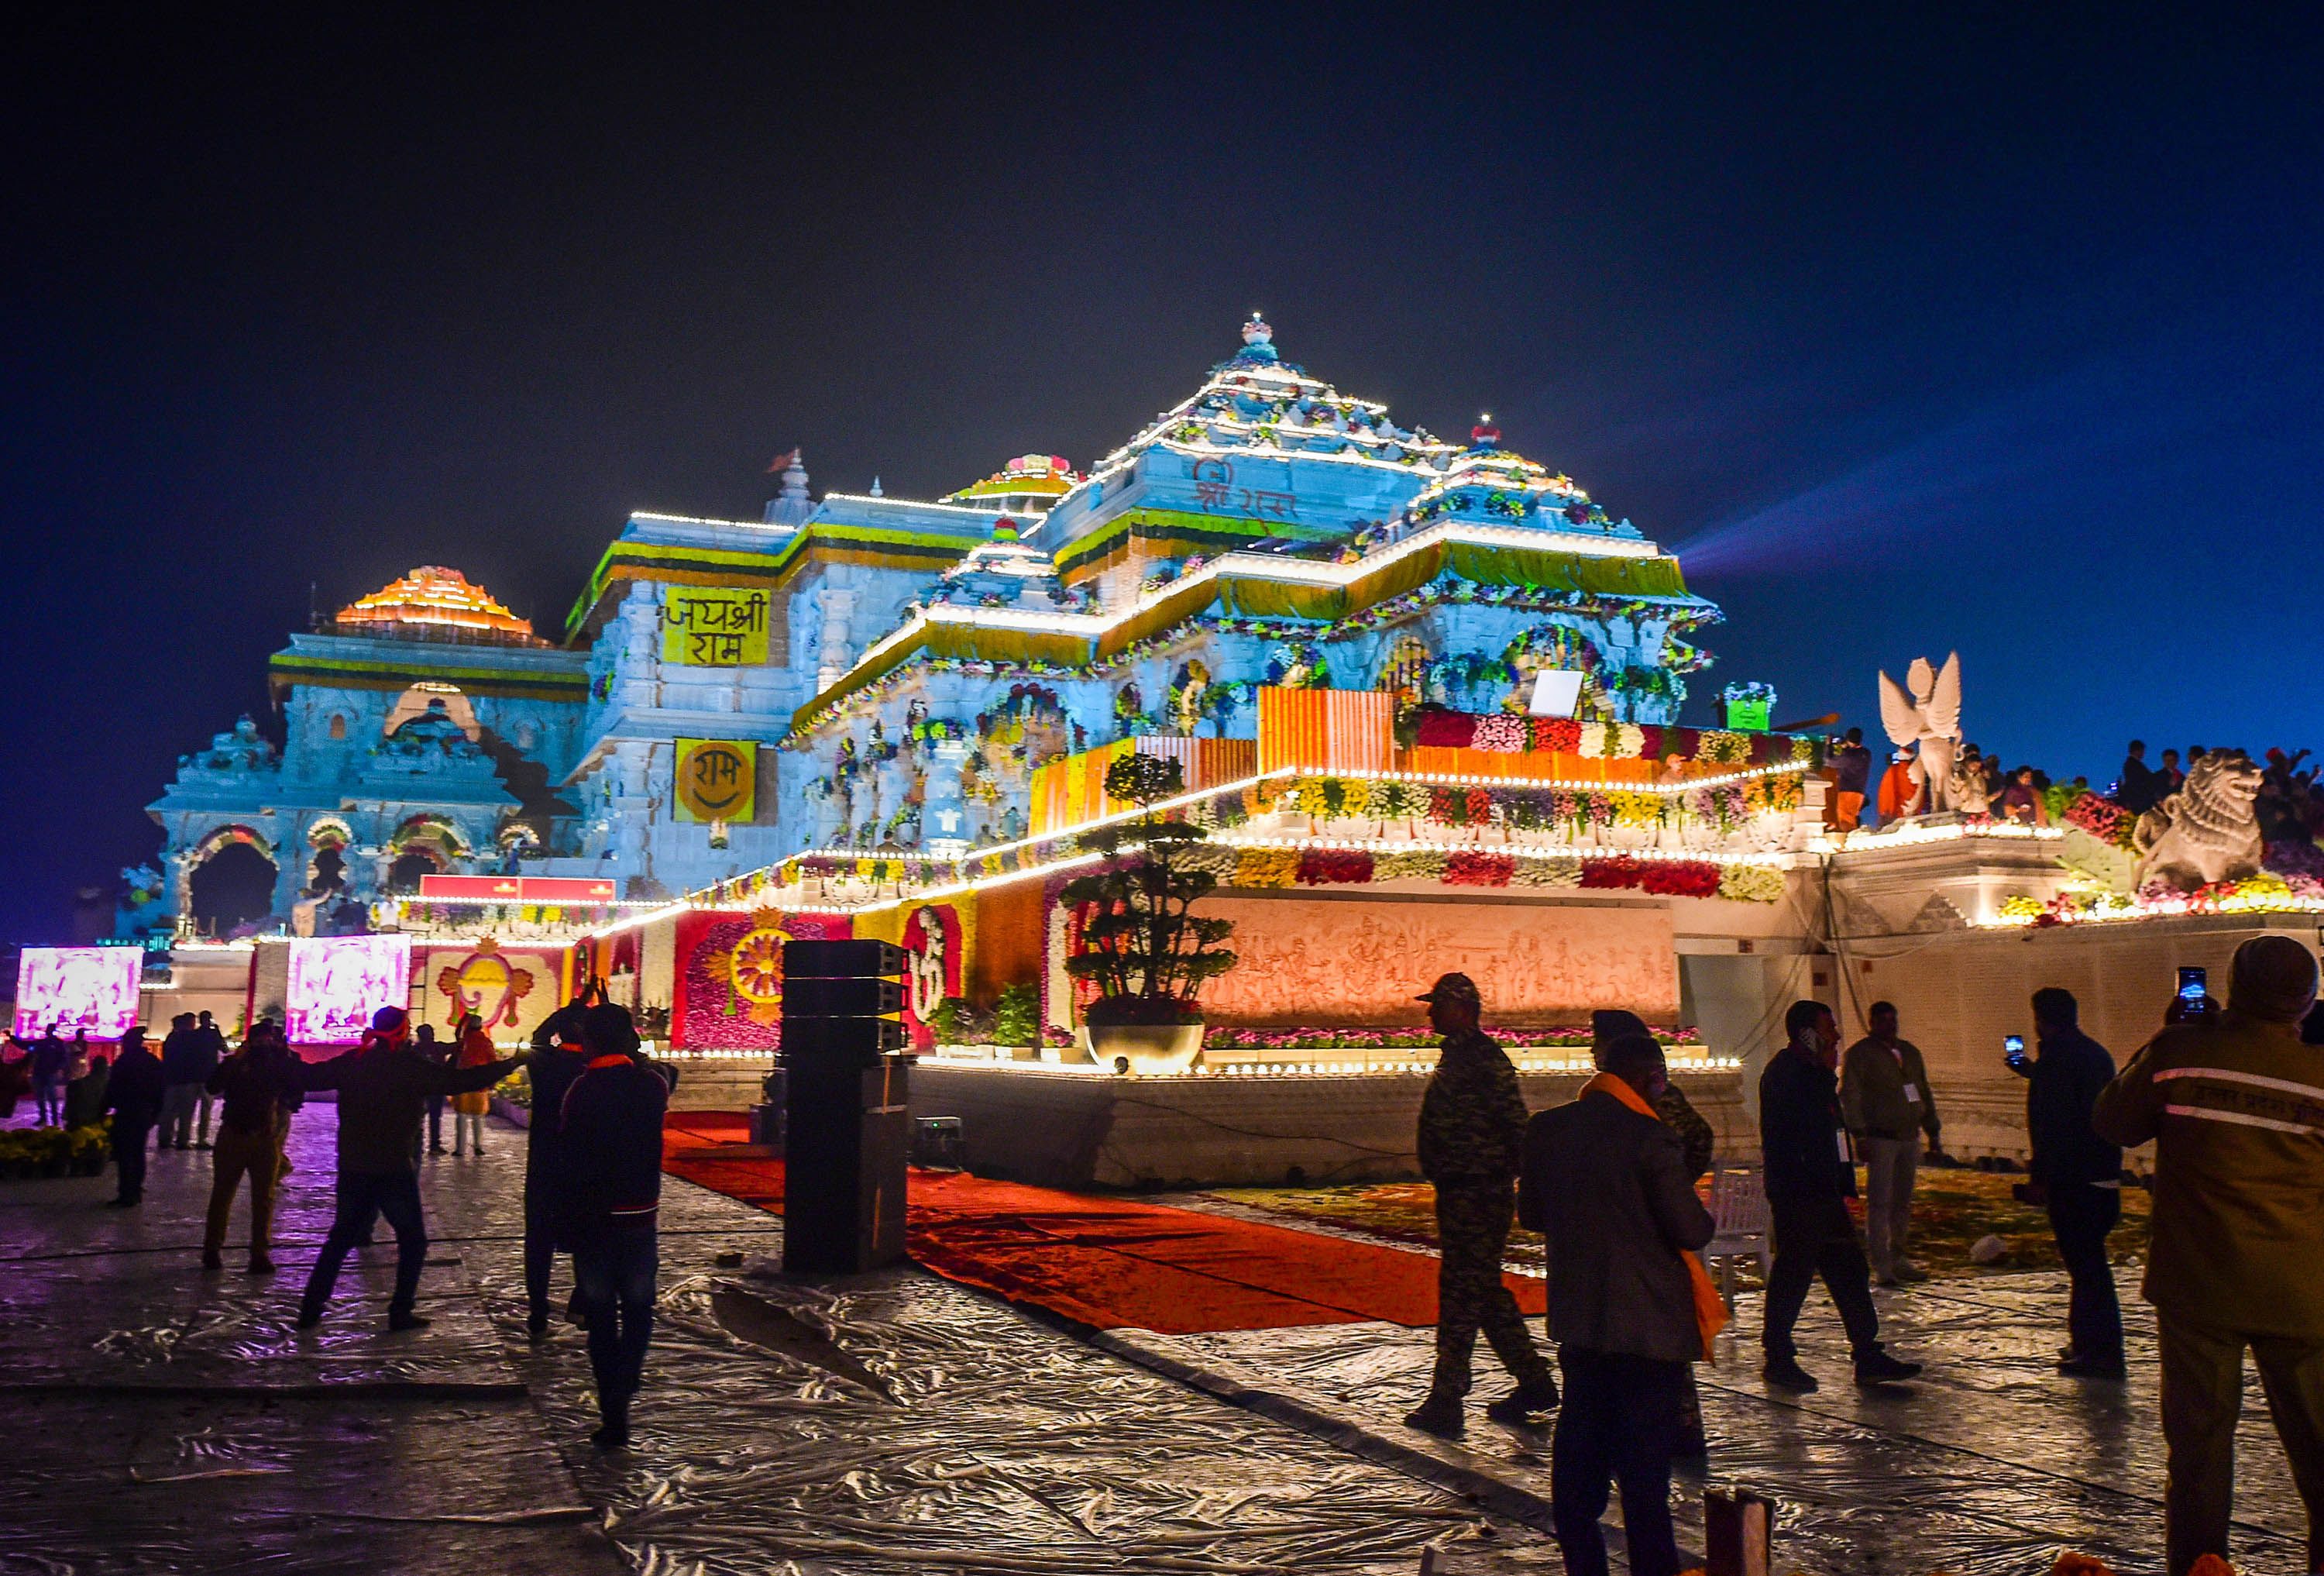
{"x":1147,"y":1049}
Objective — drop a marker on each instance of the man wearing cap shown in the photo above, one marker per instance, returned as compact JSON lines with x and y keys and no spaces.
{"x":384,"y":1086}
{"x":2235,"y":1106}
{"x":1473,"y":1123}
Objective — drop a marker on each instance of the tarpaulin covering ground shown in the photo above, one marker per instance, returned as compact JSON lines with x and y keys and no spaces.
{"x":1107,"y":1262}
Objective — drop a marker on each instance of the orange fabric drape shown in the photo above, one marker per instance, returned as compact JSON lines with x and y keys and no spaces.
{"x":1326,"y":730}
{"x":1710,"y":1308}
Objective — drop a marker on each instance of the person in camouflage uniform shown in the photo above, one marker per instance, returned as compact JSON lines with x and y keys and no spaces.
{"x":1471,"y":1127}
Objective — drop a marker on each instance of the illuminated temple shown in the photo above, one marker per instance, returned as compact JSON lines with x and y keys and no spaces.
{"x":864,"y":715}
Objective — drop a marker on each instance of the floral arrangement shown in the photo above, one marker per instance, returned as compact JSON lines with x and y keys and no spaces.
{"x":1436,"y":728}
{"x":2267,"y":892}
{"x":1330,"y":867}
{"x":1751,"y":883}
{"x":1472,"y":866}
{"x":2097,"y":815}
{"x":1388,"y":1039}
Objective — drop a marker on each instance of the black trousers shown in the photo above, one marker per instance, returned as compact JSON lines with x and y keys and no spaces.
{"x":129,"y":1155}
{"x":1621,"y":1421}
{"x":363,"y":1198}
{"x":613,"y":1280}
{"x":2080,"y":1217}
{"x":1814,"y":1236}
{"x":539,"y":1236}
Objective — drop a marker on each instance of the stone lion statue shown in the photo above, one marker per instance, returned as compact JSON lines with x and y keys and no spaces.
{"x":2204,"y":833}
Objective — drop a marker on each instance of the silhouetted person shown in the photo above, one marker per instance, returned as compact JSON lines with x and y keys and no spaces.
{"x":2077,"y":1176}
{"x":608,"y":1191}
{"x":1884,"y":1093}
{"x":1605,"y":1180}
{"x":424,"y":1041}
{"x":261,"y":1088}
{"x":133,"y":1093}
{"x":383,"y":1086}
{"x":1810,"y":1175}
{"x":558,"y":1059}
{"x":2235,"y":1106}
{"x":1851,"y":779}
{"x":1472,"y":1121}
{"x":2135,"y":790}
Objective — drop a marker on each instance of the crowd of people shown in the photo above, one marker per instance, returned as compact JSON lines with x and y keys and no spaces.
{"x":2289,"y":805}
{"x":2232,"y":1098}
{"x":593,"y":1164}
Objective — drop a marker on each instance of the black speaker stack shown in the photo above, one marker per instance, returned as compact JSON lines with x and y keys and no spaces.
{"x":847,"y":1127}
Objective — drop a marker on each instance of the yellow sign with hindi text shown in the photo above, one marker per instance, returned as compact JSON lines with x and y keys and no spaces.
{"x":717,"y":779}
{"x":713,"y":626}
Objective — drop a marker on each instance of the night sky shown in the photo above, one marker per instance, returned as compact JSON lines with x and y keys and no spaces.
{"x":1992,"y":327}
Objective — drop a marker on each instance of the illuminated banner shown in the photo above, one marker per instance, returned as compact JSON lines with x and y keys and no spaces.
{"x":75,"y":988}
{"x":712,"y":626}
{"x":717,"y":779}
{"x":336,"y":983}
{"x":520,"y":889}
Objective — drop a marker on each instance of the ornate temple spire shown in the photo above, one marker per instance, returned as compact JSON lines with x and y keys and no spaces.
{"x":793,"y":505}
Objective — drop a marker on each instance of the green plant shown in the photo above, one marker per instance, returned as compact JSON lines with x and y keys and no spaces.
{"x":1016,"y":1018}
{"x":957,"y":1022}
{"x":1141,"y":946}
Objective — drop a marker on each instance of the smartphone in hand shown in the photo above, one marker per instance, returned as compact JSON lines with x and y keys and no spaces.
{"x":2013,"y":1051}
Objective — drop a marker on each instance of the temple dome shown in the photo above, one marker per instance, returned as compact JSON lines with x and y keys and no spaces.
{"x":434,"y":604}
{"x":1028,"y":484}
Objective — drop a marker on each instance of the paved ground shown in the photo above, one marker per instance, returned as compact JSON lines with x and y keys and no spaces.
{"x":1989,"y":1463}
{"x":897,"y":1424}
{"x":165,"y":1422}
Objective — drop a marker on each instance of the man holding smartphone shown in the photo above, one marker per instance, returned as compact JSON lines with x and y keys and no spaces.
{"x":2075,"y":1175}
{"x":2234,"y":1105}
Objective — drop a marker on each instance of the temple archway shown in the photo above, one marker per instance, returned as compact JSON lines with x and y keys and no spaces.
{"x":232,"y":885}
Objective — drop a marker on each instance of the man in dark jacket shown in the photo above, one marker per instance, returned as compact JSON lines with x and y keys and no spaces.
{"x":2075,"y":1175}
{"x":558,"y":1059}
{"x":1851,"y":769}
{"x":1607,"y":1185}
{"x":608,"y":1188}
{"x":1472,"y":1122}
{"x":189,"y":1058}
{"x":2234,"y":1105}
{"x":134,"y":1095}
{"x":384,"y":1087}
{"x":51,"y":1058}
{"x":1810,"y":1175}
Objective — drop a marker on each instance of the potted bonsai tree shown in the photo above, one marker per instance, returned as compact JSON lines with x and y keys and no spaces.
{"x":1142,"y":946}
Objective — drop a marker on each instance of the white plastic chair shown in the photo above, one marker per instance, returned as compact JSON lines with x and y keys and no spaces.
{"x":1738,"y":1215}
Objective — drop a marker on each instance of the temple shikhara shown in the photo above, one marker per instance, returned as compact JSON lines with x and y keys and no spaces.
{"x":1421,"y":693}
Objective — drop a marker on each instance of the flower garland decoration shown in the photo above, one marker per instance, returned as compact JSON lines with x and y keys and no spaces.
{"x":1326,"y":867}
{"x":1266,"y":867}
{"x":1500,"y":733}
{"x":1470,"y":867}
{"x":1419,"y":864}
{"x":1546,"y":872}
{"x":1307,"y":1038}
{"x":1751,"y":883}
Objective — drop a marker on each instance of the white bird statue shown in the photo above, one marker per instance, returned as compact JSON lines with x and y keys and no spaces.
{"x":1926,"y":721}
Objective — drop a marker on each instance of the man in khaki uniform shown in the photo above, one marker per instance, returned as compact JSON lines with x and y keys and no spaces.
{"x":1884,"y":1093}
{"x":2236,"y":1106}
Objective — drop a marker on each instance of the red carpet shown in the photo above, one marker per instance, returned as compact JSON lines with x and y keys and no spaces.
{"x":1104,"y":1262}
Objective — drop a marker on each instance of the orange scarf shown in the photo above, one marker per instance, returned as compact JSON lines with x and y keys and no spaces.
{"x":1711,"y":1314}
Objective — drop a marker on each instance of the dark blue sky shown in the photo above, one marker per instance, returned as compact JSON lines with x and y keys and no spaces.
{"x":1992,"y":327}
